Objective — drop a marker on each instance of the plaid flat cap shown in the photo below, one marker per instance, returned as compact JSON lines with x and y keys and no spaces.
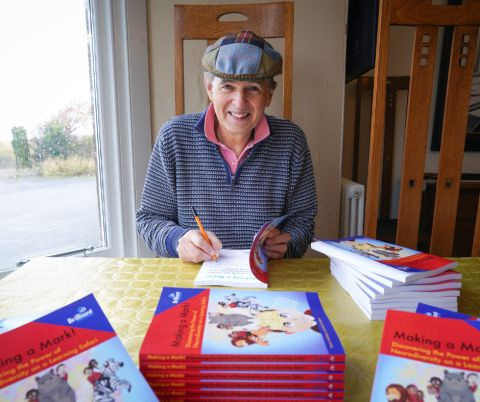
{"x":243,"y":56}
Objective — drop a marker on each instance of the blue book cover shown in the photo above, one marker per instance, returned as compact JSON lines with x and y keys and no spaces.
{"x":423,"y":308}
{"x":192,"y":324}
{"x":71,"y":354}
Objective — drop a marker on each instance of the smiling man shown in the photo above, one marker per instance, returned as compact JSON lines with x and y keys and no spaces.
{"x":237,"y":166}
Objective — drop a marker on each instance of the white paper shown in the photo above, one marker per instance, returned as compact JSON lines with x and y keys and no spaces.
{"x":232,"y":268}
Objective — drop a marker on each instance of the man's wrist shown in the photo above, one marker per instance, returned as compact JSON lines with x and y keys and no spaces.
{"x":171,"y":242}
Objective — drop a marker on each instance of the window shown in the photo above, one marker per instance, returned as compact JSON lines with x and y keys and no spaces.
{"x":70,"y":172}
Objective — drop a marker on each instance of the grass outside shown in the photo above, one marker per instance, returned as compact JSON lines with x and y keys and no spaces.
{"x":53,"y":167}
{"x":7,"y":158}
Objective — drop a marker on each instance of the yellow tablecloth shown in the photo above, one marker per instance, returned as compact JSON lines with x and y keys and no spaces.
{"x":128,"y":290}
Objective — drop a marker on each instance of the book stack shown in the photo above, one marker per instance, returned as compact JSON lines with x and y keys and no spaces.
{"x":381,"y":276}
{"x":229,"y":344}
{"x":71,"y":354}
{"x":430,"y":355}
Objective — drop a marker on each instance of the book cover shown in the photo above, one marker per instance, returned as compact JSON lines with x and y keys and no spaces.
{"x":434,"y":311}
{"x":385,"y":259}
{"x":243,"y":375}
{"x":192,"y":324}
{"x":70,"y":354}
{"x":432,"y":358}
{"x":240,"y":268}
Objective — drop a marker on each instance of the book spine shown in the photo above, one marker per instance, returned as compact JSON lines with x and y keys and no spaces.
{"x":256,"y":393}
{"x":151,"y":357}
{"x":243,"y":399}
{"x":232,"y":366}
{"x":238,"y":375}
{"x":195,"y":385}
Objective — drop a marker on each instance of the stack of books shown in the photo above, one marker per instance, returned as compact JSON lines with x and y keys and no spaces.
{"x":430,"y":355}
{"x":218,"y":344}
{"x":71,"y":354}
{"x":381,"y":276}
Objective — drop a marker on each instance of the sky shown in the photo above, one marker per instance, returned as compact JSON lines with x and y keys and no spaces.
{"x":43,"y":62}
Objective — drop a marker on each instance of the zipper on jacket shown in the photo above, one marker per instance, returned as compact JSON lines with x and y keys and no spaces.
{"x":234,"y":176}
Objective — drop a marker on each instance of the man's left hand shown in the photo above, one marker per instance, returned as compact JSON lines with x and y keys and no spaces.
{"x":275,"y":245}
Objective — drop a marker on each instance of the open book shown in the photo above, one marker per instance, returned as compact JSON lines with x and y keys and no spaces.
{"x":240,"y":268}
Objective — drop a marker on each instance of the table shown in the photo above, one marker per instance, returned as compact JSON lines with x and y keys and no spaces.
{"x":128,"y":291}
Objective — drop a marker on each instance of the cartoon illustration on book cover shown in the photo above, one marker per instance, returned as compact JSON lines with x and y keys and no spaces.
{"x":374,"y":249}
{"x":451,"y":385}
{"x":71,"y":354}
{"x":224,"y":325}
{"x":424,"y":358}
{"x":240,"y":320}
{"x":92,"y":375}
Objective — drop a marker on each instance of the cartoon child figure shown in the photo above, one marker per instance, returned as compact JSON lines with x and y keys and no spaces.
{"x":228,"y":321}
{"x":374,"y":250}
{"x":246,"y":338}
{"x":433,"y":388}
{"x":396,"y":393}
{"x":248,"y":302}
{"x":93,"y":364}
{"x":92,"y":376}
{"x":32,"y":395}
{"x":388,"y":251}
{"x":472,"y":380}
{"x":61,"y":371}
{"x":412,"y":393}
{"x":285,"y":320}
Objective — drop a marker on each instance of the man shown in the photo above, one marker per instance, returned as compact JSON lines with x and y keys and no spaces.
{"x":236,"y":166}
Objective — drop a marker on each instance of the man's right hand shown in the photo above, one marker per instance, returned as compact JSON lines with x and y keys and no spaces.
{"x":192,"y":247}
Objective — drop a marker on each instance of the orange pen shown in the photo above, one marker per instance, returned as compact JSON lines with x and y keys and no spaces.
{"x":202,"y":230}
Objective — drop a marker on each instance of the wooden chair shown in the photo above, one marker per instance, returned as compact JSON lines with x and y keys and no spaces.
{"x":394,"y":86}
{"x":427,"y":18}
{"x":268,"y":20}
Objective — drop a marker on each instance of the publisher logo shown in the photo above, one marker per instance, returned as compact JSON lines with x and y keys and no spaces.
{"x":82,"y":314}
{"x":175,"y":296}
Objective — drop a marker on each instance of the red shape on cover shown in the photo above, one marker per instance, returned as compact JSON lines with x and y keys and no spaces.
{"x":445,"y":335}
{"x":170,"y":330}
{"x":423,"y":261}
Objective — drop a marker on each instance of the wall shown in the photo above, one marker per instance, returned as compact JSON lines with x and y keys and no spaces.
{"x":399,"y":60}
{"x":318,"y":87}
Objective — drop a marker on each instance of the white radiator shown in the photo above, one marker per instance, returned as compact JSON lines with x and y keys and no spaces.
{"x":352,"y":208}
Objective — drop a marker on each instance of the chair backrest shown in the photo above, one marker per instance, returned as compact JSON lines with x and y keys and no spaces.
{"x":427,"y":18}
{"x":268,"y":20}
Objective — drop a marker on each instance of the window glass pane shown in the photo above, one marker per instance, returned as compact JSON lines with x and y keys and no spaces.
{"x":49,"y":201}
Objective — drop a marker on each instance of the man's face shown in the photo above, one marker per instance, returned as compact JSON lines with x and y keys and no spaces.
{"x":238,"y":105}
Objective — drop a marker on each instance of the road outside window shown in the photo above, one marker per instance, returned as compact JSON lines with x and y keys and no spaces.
{"x":50,"y":201}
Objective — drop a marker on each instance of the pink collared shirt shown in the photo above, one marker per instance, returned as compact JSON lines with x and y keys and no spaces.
{"x":262,"y":131}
